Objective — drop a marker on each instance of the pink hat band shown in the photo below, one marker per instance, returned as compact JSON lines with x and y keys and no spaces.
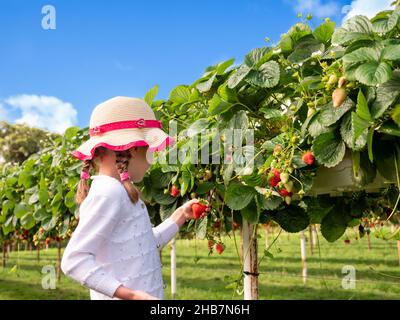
{"x":85,"y":175}
{"x":124,"y":176}
{"x":139,"y":123}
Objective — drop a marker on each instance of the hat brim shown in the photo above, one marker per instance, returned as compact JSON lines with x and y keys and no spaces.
{"x":119,"y":140}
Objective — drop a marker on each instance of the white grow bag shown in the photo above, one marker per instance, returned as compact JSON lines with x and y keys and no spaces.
{"x":336,"y":180}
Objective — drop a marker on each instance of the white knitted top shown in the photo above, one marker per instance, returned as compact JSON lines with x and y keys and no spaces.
{"x":115,"y":243}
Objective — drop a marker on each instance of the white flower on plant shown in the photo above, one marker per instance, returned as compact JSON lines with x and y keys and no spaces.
{"x":316,"y":53}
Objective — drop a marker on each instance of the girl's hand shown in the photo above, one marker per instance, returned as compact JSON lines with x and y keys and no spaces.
{"x":141,"y":295}
{"x":187,"y":209}
{"x":126,"y":293}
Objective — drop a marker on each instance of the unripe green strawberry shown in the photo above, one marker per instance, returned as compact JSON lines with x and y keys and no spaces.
{"x":310,"y":112}
{"x":338,"y":97}
{"x":332,"y":79}
{"x":289,"y":186}
{"x":288,"y":200}
{"x":284,"y":177}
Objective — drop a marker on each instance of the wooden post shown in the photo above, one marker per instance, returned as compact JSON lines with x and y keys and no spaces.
{"x":314,"y":235}
{"x":398,"y":250}
{"x":38,"y":252}
{"x":173,"y":269}
{"x":303,"y":256}
{"x":249,"y":249}
{"x":311,"y":239}
{"x":369,"y":241}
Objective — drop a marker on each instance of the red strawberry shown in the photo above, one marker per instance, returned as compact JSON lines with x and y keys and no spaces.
{"x":347,"y":241}
{"x":219,"y":247}
{"x":198,"y":209}
{"x":217,"y":224}
{"x":273,"y":182}
{"x":308,"y":158}
{"x":48,"y":240}
{"x":174,"y":191}
{"x":277,"y":174}
{"x":285,"y":193}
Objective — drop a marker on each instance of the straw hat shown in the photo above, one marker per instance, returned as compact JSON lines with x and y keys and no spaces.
{"x":121,"y":123}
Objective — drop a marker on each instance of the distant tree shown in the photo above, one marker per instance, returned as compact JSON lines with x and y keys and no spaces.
{"x":19,"y":141}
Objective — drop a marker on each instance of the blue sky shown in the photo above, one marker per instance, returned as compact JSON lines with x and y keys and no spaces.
{"x":100,"y":49}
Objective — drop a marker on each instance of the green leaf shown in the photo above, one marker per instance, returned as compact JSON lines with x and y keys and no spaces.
{"x":222,"y":66}
{"x":370,"y":137}
{"x":186,"y":178}
{"x":206,"y":85}
{"x":6,"y":207}
{"x":70,"y":199}
{"x":385,"y":21}
{"x":250,"y":212}
{"x":27,"y":221}
{"x":390,"y":128}
{"x":33,"y":198}
{"x":162,"y":198}
{"x":271,"y":203}
{"x":217,"y":105}
{"x":71,"y":132}
{"x":167,"y":210}
{"x":324,"y":31}
{"x":204,"y":187}
{"x":361,"y":55}
{"x":329,"y":149}
{"x":197,"y":127}
{"x":355,"y":28}
{"x":359,"y":125}
{"x":373,"y":73}
{"x":49,"y":223}
{"x":151,"y":94}
{"x":386,"y":95}
{"x":318,"y":208}
{"x":330,"y":114}
{"x":238,"y":76}
{"x":41,"y":214}
{"x":256,"y":56}
{"x":292,"y":218}
{"x":201,"y":229}
{"x":348,"y":134}
{"x":226,"y":93}
{"x":266,"y":77}
{"x":362,"y":107}
{"x":395,"y":114}
{"x":180,"y":94}
{"x":20,"y":209}
{"x":238,"y":196}
{"x":270,"y":113}
{"x":43,"y":196}
{"x":332,"y":231}
{"x":391,"y":52}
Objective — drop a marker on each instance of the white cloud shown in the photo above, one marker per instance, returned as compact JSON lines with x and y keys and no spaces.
{"x":317,"y":8}
{"x":3,"y":113}
{"x":367,"y":8}
{"x":44,"y":112}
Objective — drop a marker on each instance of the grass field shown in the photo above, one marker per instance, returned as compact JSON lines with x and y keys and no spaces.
{"x":377,"y":272}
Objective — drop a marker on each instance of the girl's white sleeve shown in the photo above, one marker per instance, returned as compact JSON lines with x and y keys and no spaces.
{"x":96,"y":223}
{"x":165,"y":231}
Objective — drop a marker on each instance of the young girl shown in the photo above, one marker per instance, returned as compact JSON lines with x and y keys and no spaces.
{"x":114,"y":250}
